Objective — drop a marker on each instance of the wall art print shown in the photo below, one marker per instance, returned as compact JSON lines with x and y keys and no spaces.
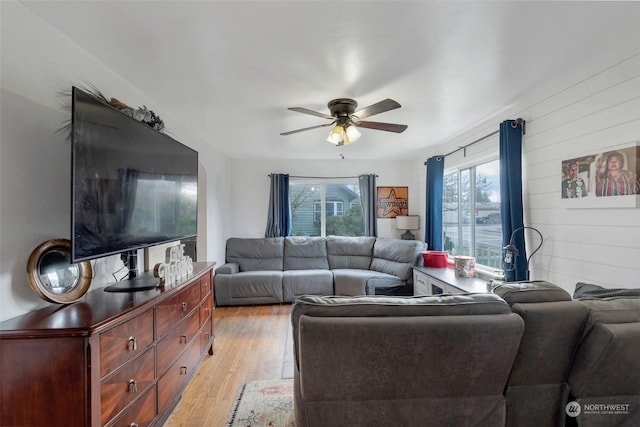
{"x":392,"y":201}
{"x":607,"y":174}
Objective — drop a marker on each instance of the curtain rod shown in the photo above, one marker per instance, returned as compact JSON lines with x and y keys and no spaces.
{"x":519,"y":121}
{"x":472,"y":143}
{"x":322,"y":177}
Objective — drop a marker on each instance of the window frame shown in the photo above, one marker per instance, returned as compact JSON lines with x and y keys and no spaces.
{"x":471,"y":166}
{"x":335,"y":203}
{"x":322,"y":184}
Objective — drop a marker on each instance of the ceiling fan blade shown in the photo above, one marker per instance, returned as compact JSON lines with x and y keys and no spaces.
{"x":389,"y":127}
{"x":309,"y":128}
{"x":377,"y":108}
{"x":313,"y":113}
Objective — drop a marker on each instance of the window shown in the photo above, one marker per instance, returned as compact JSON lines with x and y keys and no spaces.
{"x":471,"y":213}
{"x":332,"y":208}
{"x":324,"y":209}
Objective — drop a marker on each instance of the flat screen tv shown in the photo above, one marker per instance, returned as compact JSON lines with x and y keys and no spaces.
{"x":132,"y":186}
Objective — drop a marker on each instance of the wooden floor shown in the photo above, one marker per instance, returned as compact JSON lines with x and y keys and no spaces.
{"x":249,"y":345}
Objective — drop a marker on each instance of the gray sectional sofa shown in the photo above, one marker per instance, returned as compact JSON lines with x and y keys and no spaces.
{"x":279,"y":269}
{"x":402,"y":361}
{"x":527,"y":355}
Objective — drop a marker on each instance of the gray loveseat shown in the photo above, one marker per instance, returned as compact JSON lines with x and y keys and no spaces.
{"x":279,"y":269}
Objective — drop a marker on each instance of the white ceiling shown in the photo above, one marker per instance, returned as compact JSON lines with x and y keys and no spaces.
{"x":228,"y":70}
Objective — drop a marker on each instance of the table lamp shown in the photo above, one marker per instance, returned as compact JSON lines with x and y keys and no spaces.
{"x":408,"y":223}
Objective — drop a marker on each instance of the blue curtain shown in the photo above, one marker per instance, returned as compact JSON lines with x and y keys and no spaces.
{"x":433,"y":220}
{"x":367,"y":185}
{"x":511,"y":210}
{"x":279,"y":216}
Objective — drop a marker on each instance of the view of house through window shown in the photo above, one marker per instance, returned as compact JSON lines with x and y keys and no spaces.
{"x":471,"y":213}
{"x":325,"y":209}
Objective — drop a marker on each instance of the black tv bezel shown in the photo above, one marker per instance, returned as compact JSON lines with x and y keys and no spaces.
{"x":131,"y":248}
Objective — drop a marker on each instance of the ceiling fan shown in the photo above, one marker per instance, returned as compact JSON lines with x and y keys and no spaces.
{"x":347,"y":120}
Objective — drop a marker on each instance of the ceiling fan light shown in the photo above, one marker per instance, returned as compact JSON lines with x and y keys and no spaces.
{"x":337,"y":135}
{"x":353,"y":133}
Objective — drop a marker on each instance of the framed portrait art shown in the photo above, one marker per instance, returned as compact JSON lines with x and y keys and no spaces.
{"x":607,"y":179}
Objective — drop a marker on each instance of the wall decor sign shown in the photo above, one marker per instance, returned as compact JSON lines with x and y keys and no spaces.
{"x":392,"y":201}
{"x":177,"y":267}
{"x":602,"y":179}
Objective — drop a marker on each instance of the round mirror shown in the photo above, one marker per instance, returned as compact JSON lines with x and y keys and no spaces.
{"x":53,"y":276}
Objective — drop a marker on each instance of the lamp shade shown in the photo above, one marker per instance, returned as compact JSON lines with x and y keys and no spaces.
{"x":353,"y":133}
{"x":337,"y":135}
{"x":408,"y":222}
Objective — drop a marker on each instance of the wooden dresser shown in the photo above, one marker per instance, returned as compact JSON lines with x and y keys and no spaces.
{"x":111,"y":359}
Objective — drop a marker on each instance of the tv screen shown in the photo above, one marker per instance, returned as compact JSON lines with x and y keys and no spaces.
{"x":132,"y":186}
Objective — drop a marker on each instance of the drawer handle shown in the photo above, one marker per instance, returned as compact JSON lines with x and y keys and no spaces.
{"x":132,"y":345}
{"x":206,"y":334}
{"x":133,"y":425}
{"x":183,"y":370}
{"x":184,"y":306}
{"x":206,"y":310}
{"x":133,"y":386}
{"x":183,"y":339}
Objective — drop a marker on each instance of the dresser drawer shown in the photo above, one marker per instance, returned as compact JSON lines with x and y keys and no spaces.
{"x":206,"y":309}
{"x":205,"y":336}
{"x":141,"y":414}
{"x":126,"y":384}
{"x":205,"y":285}
{"x":420,"y":284}
{"x":170,"y":312}
{"x":125,"y":341}
{"x":173,"y":381}
{"x":173,"y":344}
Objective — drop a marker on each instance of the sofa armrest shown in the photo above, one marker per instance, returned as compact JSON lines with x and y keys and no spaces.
{"x":228,"y":268}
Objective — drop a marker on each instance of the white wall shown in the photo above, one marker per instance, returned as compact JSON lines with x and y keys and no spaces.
{"x":593,"y":245}
{"x":592,"y":110}
{"x":37,"y":63}
{"x":250,"y":188}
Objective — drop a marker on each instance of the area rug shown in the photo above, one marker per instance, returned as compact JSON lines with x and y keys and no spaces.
{"x":264,"y":403}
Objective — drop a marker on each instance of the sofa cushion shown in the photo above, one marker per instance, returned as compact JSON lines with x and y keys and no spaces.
{"x":606,"y":363}
{"x":587,"y":290}
{"x":531,"y":292}
{"x":305,"y":253}
{"x":350,"y":252}
{"x":551,"y":335}
{"x":396,"y":257}
{"x":611,"y":311}
{"x":249,"y":287}
{"x":432,"y":305}
{"x":381,"y":306}
{"x":488,"y":411}
{"x":605,"y":368}
{"x":351,"y":282}
{"x":256,"y":254}
{"x":405,"y":370}
{"x":306,"y":282}
{"x":535,"y":405}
